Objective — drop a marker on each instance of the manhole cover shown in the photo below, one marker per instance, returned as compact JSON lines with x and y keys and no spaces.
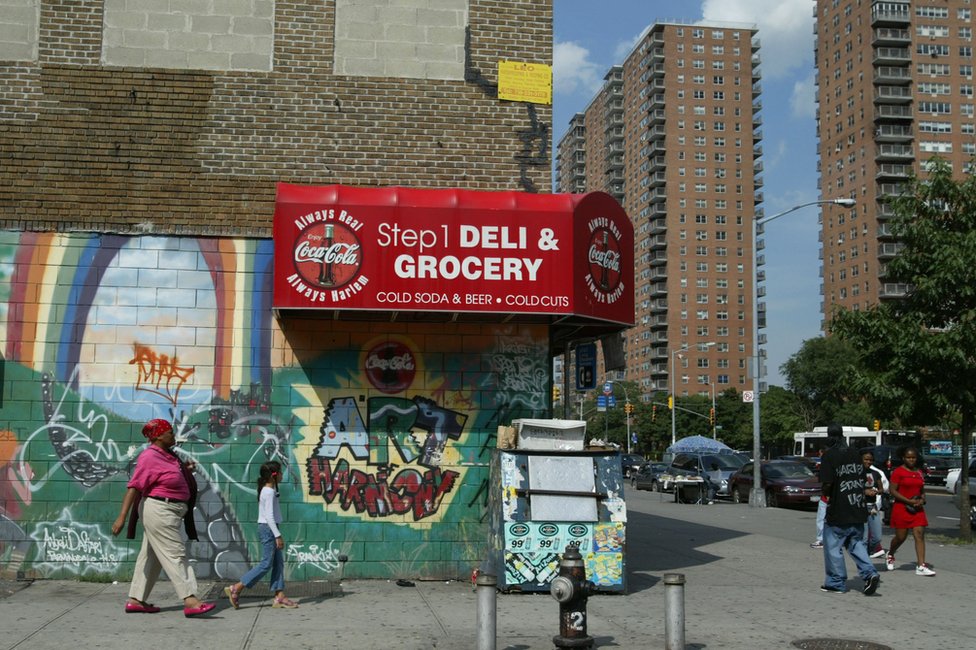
{"x":837,"y":644}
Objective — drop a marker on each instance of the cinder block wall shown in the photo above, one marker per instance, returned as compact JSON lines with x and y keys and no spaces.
{"x":385,"y":431}
{"x":138,"y":157}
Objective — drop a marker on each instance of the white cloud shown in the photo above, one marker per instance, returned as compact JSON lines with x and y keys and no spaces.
{"x":572,"y":69}
{"x":624,"y":48}
{"x":803,"y":101}
{"x":785,"y":29}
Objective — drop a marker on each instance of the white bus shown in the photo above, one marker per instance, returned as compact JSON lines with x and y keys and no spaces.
{"x":812,"y":443}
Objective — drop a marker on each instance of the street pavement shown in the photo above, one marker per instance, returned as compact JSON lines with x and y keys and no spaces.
{"x":752,"y":582}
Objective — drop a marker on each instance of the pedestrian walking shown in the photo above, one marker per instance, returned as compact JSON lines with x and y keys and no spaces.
{"x":907,"y":489}
{"x":874,"y":480}
{"x":842,"y":483}
{"x":272,"y":543}
{"x":162,"y":493}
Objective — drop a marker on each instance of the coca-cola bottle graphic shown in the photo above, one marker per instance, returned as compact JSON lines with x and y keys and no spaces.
{"x":604,"y":271}
{"x":327,"y":273}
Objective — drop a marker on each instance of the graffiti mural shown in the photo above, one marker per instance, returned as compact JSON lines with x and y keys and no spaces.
{"x":80,"y":548}
{"x":384,"y":431}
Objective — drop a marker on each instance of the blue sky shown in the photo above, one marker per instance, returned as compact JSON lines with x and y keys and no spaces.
{"x":591,"y":36}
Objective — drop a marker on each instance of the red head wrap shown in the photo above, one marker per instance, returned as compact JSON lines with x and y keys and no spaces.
{"x":155,"y":428}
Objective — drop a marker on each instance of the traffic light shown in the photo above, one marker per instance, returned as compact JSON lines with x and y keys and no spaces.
{"x":629,"y":408}
{"x":877,"y":425}
{"x":670,"y":402}
{"x":653,"y":412}
{"x":555,"y":393}
{"x":711,"y":417}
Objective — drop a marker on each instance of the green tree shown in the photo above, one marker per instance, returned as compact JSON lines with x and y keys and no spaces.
{"x":815,"y":375}
{"x":917,"y":355}
{"x":781,"y":418}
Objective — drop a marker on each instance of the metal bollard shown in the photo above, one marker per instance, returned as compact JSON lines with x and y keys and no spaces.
{"x":486,"y":586}
{"x":674,"y":611}
{"x":571,"y":589}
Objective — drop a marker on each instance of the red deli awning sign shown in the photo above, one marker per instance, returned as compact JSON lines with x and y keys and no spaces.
{"x":402,"y":249}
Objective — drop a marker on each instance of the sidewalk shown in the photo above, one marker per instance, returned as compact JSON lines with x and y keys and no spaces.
{"x":752,"y":582}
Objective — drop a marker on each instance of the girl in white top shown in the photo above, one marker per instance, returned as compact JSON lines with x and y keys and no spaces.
{"x":272,"y":544}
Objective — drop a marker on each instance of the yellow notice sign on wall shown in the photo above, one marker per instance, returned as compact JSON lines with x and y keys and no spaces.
{"x":525,"y":82}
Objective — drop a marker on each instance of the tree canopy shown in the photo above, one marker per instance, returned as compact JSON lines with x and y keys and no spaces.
{"x":917,"y":354}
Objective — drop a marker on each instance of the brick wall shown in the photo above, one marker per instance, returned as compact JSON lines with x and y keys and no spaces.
{"x":86,"y":146}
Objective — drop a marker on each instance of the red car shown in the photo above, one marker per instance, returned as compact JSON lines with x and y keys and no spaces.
{"x":786,"y":483}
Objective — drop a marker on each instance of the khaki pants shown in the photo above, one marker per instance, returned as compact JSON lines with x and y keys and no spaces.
{"x":162,"y":548}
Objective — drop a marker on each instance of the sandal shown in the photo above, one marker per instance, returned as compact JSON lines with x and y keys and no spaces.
{"x":286,"y":603}
{"x":234,"y":595}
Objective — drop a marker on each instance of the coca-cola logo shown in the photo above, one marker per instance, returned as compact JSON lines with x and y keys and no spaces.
{"x":390,"y":367}
{"x":604,"y":259}
{"x":327,"y":255}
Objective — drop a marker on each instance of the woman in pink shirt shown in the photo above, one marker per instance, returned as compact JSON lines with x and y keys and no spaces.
{"x":163,"y":491}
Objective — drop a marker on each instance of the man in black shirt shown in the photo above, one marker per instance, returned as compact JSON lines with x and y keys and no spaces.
{"x":842,"y":483}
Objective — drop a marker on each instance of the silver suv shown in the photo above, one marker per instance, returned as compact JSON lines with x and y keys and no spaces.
{"x":717,"y":468}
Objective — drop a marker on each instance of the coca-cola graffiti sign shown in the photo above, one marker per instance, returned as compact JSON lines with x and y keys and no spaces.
{"x":390,"y":367}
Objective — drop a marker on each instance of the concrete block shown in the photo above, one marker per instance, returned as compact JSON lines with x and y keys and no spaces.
{"x":210,"y":24}
{"x":406,"y":69}
{"x":194,"y":280}
{"x":439,"y":53}
{"x":448,"y":71}
{"x":445,"y":36}
{"x":394,"y":52}
{"x":442,"y":17}
{"x":171,"y":58}
{"x":232,"y":8}
{"x":361,"y":67}
{"x":168,"y":22}
{"x":252,"y":26}
{"x":144,"y":39}
{"x":208,"y":60}
{"x":18,"y":52}
{"x":190,"y":7}
{"x":189,"y":42}
{"x":250,"y":61}
{"x":125,"y":19}
{"x":362,"y":31}
{"x":137,"y":259}
{"x":229,"y":43}
{"x":125,"y":56}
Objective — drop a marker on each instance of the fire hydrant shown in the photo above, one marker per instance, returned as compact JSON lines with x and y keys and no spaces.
{"x":571,"y":589}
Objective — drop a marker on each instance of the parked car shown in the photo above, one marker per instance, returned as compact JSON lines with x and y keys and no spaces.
{"x":972,"y":494}
{"x":952,"y":480}
{"x":936,"y":470}
{"x":785,"y":482}
{"x":647,"y":477}
{"x":813,"y":462}
{"x":716,"y":467}
{"x":630,"y":463}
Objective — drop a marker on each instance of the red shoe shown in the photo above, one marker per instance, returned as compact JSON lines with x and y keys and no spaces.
{"x":203,"y":608}
{"x":140,"y":608}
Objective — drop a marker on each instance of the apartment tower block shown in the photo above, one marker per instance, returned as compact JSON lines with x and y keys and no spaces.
{"x":675,"y":135}
{"x":894,"y":89}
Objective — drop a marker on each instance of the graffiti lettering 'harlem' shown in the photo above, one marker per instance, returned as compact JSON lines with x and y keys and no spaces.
{"x":409,"y":491}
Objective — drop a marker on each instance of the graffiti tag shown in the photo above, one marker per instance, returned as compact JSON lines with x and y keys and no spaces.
{"x":76,"y":547}
{"x":159,"y":374}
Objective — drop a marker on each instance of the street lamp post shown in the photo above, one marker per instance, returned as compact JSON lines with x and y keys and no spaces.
{"x":714,"y":414}
{"x":757,"y":497}
{"x":673,"y":396}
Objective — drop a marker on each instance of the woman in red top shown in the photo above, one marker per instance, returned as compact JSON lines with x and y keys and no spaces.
{"x":161,"y":492}
{"x":907,"y":489}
